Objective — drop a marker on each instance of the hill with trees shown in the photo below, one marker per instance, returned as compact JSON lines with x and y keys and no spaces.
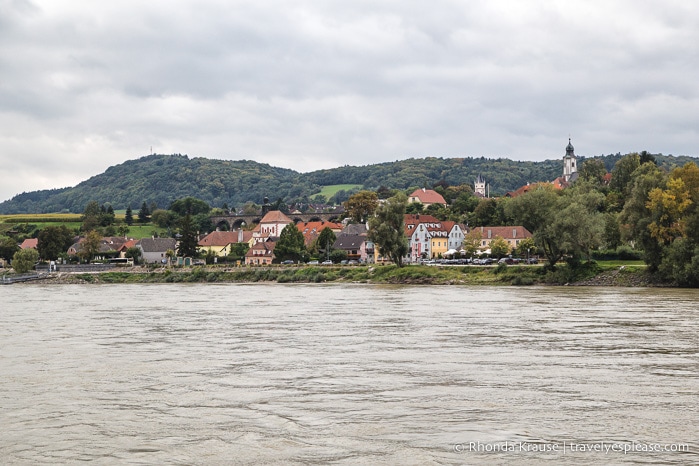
{"x":161,"y":179}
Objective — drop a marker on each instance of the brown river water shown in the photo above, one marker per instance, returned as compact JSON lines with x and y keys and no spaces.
{"x":347,"y":374}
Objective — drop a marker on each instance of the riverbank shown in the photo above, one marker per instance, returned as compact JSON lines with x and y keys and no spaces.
{"x":586,"y":275}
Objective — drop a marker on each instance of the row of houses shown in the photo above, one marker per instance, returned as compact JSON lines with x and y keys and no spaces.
{"x":428,"y":238}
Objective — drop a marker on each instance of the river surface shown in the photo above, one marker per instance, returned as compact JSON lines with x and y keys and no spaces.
{"x":347,"y":374}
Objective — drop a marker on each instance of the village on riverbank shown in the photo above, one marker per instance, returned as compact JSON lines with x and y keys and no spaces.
{"x":558,"y":232}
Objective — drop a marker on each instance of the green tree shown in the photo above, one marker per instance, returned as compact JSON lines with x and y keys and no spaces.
{"x":128,"y":217}
{"x":164,"y":218}
{"x":144,"y":213}
{"x":23,"y":260}
{"x":593,"y":170}
{"x":387,"y":229}
{"x":499,"y":247}
{"x":133,"y":253}
{"x":362,"y":205}
{"x":472,"y":242}
{"x":54,"y":241}
{"x":290,"y":245}
{"x":612,"y":232}
{"x":188,"y":238}
{"x":325,"y":241}
{"x":622,"y":173}
{"x":238,"y":251}
{"x":526,"y":248}
{"x":90,"y":246}
{"x":414,"y":208}
{"x":191,"y":206}
{"x":636,"y":217}
{"x":338,"y":255}
{"x":8,"y":247}
{"x":91,"y":216}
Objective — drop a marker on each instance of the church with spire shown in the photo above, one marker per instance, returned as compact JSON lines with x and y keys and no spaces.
{"x":570,"y":164}
{"x":570,"y":174}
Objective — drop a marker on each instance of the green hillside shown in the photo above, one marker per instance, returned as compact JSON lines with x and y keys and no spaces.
{"x":161,"y":179}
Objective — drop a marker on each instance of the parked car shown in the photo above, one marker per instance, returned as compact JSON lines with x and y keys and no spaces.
{"x":532,"y":260}
{"x":353,"y":262}
{"x":313,"y":263}
{"x":328,"y":262}
{"x":287,"y":262}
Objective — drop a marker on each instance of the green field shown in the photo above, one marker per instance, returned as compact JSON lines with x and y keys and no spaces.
{"x":331,"y":190}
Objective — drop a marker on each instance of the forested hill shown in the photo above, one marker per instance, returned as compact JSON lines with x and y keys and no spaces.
{"x":163,"y":178}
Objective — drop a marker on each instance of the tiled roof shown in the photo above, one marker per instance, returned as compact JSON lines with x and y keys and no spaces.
{"x":219,"y":238}
{"x":275,"y":216}
{"x":157,"y":244}
{"x":504,"y":232}
{"x":29,"y":243}
{"x":428,"y":196}
{"x":263,"y":248}
{"x":349,"y":242}
{"x":311,"y":230}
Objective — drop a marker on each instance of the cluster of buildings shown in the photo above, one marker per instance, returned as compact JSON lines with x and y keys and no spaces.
{"x":428,"y":236}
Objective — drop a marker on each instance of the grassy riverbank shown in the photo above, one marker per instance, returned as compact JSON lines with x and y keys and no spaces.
{"x":587,"y":274}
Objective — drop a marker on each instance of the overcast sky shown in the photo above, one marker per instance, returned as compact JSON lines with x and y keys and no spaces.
{"x":319,"y":84}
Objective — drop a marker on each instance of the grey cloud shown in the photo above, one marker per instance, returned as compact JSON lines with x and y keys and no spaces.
{"x":317,"y":84}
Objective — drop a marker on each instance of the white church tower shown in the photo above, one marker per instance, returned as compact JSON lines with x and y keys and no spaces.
{"x":479,"y":186}
{"x":570,"y":162}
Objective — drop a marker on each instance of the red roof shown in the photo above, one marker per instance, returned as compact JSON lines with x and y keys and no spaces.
{"x":219,"y":238}
{"x":275,"y":216}
{"x":428,"y":196}
{"x":311,"y":230}
{"x":504,"y":232}
{"x":29,"y":243}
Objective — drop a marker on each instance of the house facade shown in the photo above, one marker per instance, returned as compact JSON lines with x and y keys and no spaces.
{"x":261,"y":253}
{"x":512,"y":234}
{"x":270,"y":226}
{"x":427,"y":197}
{"x":154,"y":250}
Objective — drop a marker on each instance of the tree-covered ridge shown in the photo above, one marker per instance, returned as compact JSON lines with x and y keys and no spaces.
{"x":160,"y":179}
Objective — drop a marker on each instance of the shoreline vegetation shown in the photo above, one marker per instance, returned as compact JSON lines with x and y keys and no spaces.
{"x":589,"y":274}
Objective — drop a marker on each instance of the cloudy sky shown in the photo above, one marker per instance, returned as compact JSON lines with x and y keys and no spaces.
{"x":317,"y":84}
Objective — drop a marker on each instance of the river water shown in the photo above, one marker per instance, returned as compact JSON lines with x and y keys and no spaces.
{"x":347,"y":374}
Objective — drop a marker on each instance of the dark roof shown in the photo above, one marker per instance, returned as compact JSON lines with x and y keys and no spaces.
{"x":349,"y":242}
{"x":157,"y":244}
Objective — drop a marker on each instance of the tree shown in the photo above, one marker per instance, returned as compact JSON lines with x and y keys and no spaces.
{"x":133,"y":253}
{"x":54,"y":241}
{"x":90,"y":246}
{"x":387,"y":229}
{"x":188,"y":240}
{"x":499,"y":247}
{"x":91,"y":216}
{"x":190,"y":205}
{"x":164,"y":218}
{"x":325,"y":241}
{"x":667,"y":208}
{"x":526,"y":247}
{"x":635,"y":216}
{"x":472,"y":242}
{"x":290,"y":245}
{"x":593,"y":170}
{"x":144,"y":213}
{"x":362,"y":205}
{"x":338,"y":255}
{"x":622,"y":173}
{"x":8,"y":247}
{"x":612,"y":233}
{"x":23,"y":260}
{"x":414,"y":208}
{"x":128,"y":217}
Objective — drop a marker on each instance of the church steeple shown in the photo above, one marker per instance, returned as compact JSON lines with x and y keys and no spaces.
{"x":570,"y":164}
